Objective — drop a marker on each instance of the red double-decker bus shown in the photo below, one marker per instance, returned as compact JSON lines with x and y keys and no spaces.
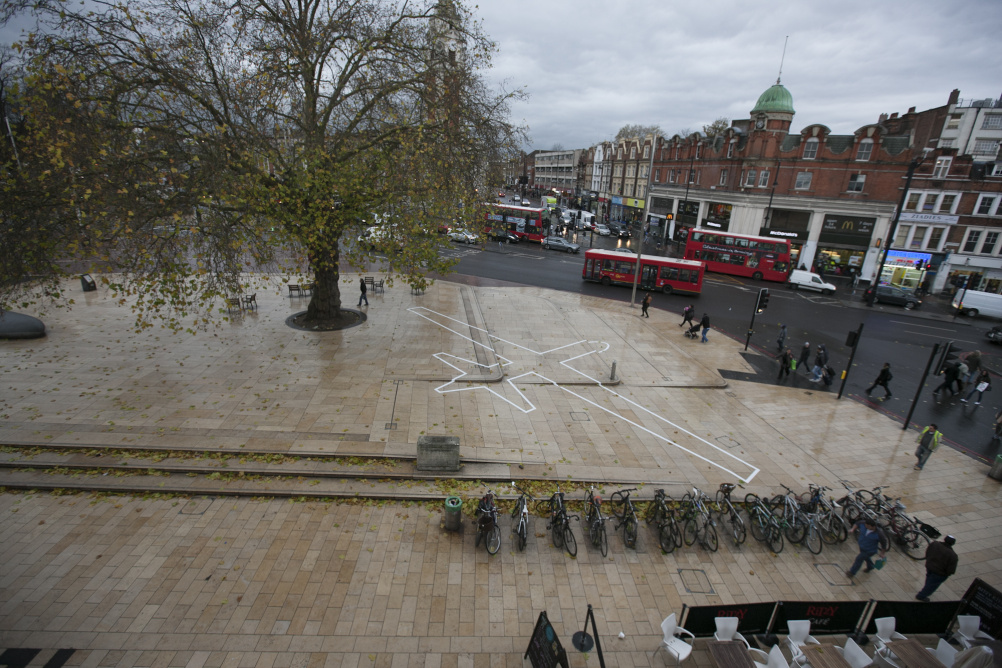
{"x":656,"y":273}
{"x":740,"y":254}
{"x":523,"y":221}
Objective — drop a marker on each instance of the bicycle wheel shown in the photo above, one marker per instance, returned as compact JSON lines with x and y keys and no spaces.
{"x":710,"y":536}
{"x":480,"y":534}
{"x":653,"y":513}
{"x":775,"y":538}
{"x":603,"y":540}
{"x":523,"y":533}
{"x":913,"y":543}
{"x":630,"y":531}
{"x":570,"y":542}
{"x":813,"y":539}
{"x":618,"y":504}
{"x":689,"y":532}
{"x":543,"y":507}
{"x":738,"y":530}
{"x":796,"y":532}
{"x":833,"y":529}
{"x":557,"y":530}
{"x":517,"y":510}
{"x":759,"y":524}
{"x":493,"y":539}
{"x":665,"y":538}
{"x":751,"y":500}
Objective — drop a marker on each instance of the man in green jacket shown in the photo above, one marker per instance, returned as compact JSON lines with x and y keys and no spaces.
{"x":928,"y":442}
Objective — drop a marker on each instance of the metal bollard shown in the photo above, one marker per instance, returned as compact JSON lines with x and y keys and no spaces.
{"x":612,"y":376}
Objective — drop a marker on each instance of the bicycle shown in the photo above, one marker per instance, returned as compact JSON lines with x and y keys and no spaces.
{"x":662,"y":513}
{"x":487,"y":523}
{"x":764,"y":526}
{"x":724,"y":506}
{"x":596,"y":522}
{"x":520,"y":518}
{"x":786,"y":507}
{"x":833,"y":527}
{"x":560,"y":523}
{"x":908,"y":533}
{"x":699,"y":524}
{"x":623,"y":509}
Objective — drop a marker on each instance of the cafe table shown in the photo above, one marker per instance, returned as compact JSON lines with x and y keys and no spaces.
{"x":730,"y":654}
{"x":824,"y":655}
{"x":911,"y":654}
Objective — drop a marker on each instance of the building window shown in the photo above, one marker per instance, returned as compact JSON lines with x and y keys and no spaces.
{"x":633,"y":153}
{"x":631,"y":170}
{"x":730,"y":148}
{"x":856,"y":182}
{"x":913,"y":201}
{"x":676,"y":151}
{"x":803,"y":181}
{"x":986,"y":147}
{"x":692,"y":176}
{"x":992,"y":122}
{"x":617,"y":170}
{"x":647,"y":151}
{"x":946,"y":203}
{"x":811,"y":149}
{"x":699,"y":173}
{"x":945,"y":143}
{"x":657,"y":175}
{"x":929,"y":203}
{"x":723,"y":177}
{"x":986,"y":205}
{"x":699,"y":151}
{"x":865,"y":150}
{"x":934,"y":238}
{"x":671,"y":176}
{"x":620,"y":156}
{"x":973,"y":237}
{"x":640,"y":190}
{"x":918,"y":237}
{"x":750,"y":178}
{"x":953,"y":122}
{"x":644,"y":171}
{"x":942,"y":168}
{"x":902,"y":238}
{"x":988,"y":247}
{"x":997,"y":170}
{"x":763,"y":179}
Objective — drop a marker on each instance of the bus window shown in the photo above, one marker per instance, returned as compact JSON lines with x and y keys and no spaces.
{"x":624,"y":267}
{"x":697,"y":236}
{"x":740,"y":243}
{"x":607,"y":265}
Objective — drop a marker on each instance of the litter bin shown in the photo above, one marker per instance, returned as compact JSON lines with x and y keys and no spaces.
{"x":87,"y":283}
{"x":453,"y":513}
{"x":996,"y":471}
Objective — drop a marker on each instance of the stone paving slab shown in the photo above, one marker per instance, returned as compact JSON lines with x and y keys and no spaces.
{"x":242,"y":582}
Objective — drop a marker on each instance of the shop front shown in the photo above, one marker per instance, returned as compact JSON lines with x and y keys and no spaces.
{"x":627,"y":209}
{"x":907,"y":269}
{"x":661,"y":219}
{"x":718,"y":217}
{"x":789,"y":224}
{"x":843,"y":244}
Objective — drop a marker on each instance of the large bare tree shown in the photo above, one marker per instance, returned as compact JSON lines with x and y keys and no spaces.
{"x":180,"y":144}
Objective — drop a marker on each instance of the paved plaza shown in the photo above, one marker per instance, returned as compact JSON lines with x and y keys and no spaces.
{"x":534,"y":383}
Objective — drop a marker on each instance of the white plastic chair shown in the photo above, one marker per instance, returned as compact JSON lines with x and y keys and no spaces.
{"x":978,"y":656}
{"x":800,"y":635}
{"x":727,"y":629}
{"x":672,"y":643}
{"x":886,"y":632}
{"x":969,"y":628}
{"x":775,"y":658}
{"x":854,"y":654}
{"x":882,"y":659}
{"x":944,"y":652}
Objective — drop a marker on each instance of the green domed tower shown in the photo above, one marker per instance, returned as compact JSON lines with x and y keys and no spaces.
{"x":774,"y":109}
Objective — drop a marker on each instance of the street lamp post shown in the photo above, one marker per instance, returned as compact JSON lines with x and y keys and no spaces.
{"x":688,"y":180}
{"x":912,"y":166}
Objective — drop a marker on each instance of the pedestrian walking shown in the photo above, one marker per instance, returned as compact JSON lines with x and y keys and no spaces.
{"x":785,"y":362}
{"x":705,"y":324}
{"x":687,"y":314}
{"x":855,"y":281}
{"x":962,"y":371}
{"x":883,"y":378}
{"x":781,"y":339}
{"x":940,"y":563}
{"x":928,"y":442}
{"x":982,"y":384}
{"x":362,"y":297}
{"x":644,"y":305}
{"x":973,"y":362}
{"x":820,"y":362}
{"x":805,"y":355}
{"x":950,"y":376}
{"x":871,"y":540}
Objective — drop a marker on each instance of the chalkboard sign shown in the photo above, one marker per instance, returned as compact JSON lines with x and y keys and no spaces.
{"x":544,"y":648}
{"x":984,"y":600}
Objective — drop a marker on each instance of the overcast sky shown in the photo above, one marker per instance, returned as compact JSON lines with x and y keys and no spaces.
{"x":591,"y":67}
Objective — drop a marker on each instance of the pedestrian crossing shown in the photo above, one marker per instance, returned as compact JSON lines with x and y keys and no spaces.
{"x":23,"y":657}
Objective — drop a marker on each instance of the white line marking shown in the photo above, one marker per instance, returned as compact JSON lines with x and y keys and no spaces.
{"x":911,"y":324}
{"x":600,"y":346}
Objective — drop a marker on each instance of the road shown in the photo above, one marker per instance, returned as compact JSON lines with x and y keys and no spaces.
{"x":890,"y":334}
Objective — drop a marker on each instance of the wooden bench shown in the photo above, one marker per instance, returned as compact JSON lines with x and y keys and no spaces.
{"x":308,"y":288}
{"x":377,"y":286}
{"x":250,"y":301}
{"x":233,"y":303}
{"x":370,"y":282}
{"x":295,"y":290}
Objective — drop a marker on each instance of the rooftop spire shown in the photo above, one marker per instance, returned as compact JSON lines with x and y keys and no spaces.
{"x":782,"y":58}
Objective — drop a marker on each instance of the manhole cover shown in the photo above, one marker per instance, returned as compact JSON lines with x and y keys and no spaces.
{"x":695,"y":581}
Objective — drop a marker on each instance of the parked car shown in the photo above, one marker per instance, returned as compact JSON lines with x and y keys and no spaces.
{"x":559,"y":243}
{"x":994,"y":334}
{"x":602,"y":230}
{"x":463,"y":236}
{"x":504,"y":236}
{"x":889,"y":294}
{"x":525,"y":202}
{"x":621,"y":230}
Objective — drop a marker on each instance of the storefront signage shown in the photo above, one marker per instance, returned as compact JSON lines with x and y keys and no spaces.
{"x":661,"y":205}
{"x":721,"y":225}
{"x":635,"y":203}
{"x":936,"y":218}
{"x":783,"y":234}
{"x":617,"y":200}
{"x":847,"y":230}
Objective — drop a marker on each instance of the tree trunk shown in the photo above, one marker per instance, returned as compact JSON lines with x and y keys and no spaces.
{"x":325,"y":301}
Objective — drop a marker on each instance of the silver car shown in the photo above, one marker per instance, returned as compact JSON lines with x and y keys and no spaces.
{"x":559,"y":243}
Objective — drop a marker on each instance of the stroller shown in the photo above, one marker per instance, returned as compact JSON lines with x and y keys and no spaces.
{"x":692,"y":332}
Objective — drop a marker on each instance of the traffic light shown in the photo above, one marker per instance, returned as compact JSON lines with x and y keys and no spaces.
{"x":763,"y":300}
{"x":948,"y":356}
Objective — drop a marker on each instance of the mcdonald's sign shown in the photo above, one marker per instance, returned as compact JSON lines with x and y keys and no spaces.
{"x":848,"y":230}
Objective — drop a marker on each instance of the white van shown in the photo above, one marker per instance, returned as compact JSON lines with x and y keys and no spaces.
{"x":978,"y":303}
{"x":810,"y":281}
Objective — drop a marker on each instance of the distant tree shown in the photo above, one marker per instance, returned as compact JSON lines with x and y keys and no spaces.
{"x":177,"y":145}
{"x":684,"y":132}
{"x":557,"y":147}
{"x":634,"y":130}
{"x":717,"y":127}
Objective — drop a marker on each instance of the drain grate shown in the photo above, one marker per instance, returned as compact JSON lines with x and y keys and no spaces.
{"x":728,"y":442}
{"x":695,"y":581}
{"x":833,"y":574}
{"x":391,"y":425}
{"x":580,"y":417}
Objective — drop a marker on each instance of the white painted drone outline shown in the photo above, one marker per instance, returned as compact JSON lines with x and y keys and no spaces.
{"x":441,"y":389}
